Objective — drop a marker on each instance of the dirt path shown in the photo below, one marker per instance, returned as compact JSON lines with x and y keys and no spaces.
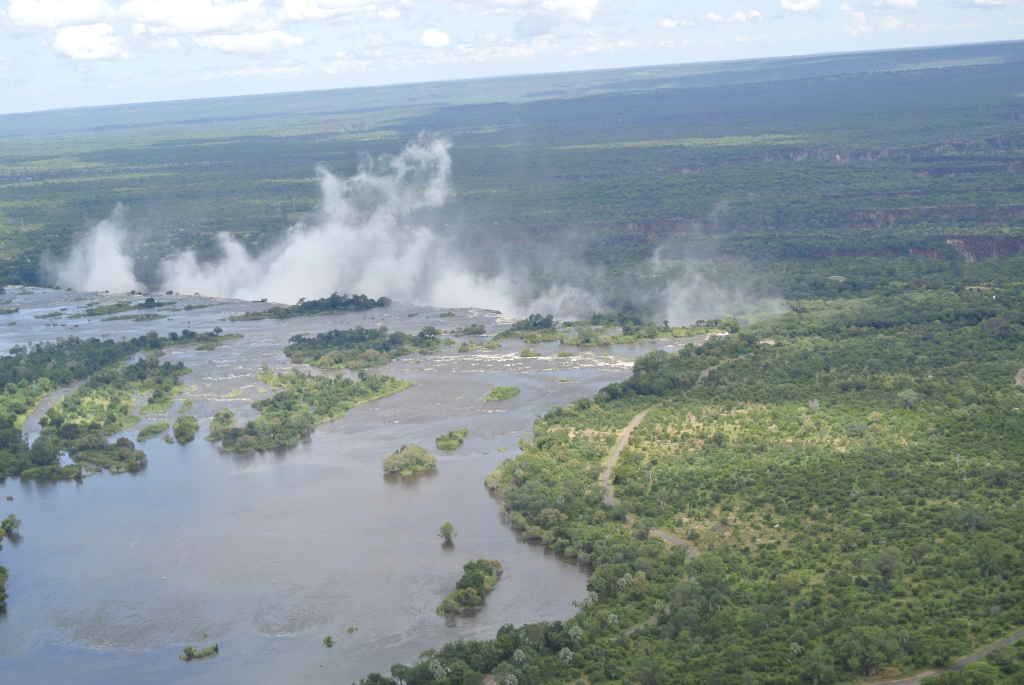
{"x":610,"y":461}
{"x":674,"y":541}
{"x":608,"y":472}
{"x":959,"y":665}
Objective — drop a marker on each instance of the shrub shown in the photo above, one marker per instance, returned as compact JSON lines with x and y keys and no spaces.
{"x":409,"y":460}
{"x":502,"y":392}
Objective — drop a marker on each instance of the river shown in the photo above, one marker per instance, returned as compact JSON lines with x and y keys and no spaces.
{"x":267,"y":554}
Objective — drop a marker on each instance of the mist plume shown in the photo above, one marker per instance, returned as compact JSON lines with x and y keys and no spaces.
{"x":364,"y":239}
{"x":97,"y":261}
{"x":368,"y":236}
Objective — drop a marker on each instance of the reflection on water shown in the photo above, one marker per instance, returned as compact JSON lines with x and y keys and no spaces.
{"x":266,"y":554}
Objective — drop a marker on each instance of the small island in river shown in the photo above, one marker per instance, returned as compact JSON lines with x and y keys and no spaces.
{"x":409,"y":460}
{"x":478,"y":580}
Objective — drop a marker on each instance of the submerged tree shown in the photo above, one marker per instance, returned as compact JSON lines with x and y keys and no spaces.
{"x":447,"y":533}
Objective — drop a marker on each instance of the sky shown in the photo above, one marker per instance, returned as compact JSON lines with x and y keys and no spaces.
{"x":74,"y":53}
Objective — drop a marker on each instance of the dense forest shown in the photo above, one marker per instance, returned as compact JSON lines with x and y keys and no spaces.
{"x":826,"y":495}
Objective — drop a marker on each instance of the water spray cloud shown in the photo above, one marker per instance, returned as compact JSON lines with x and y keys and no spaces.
{"x":368,"y":237}
{"x":98,"y":260}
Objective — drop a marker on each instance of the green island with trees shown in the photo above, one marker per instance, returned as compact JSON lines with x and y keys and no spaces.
{"x":99,"y":408}
{"x":185,"y":429}
{"x":106,"y":310}
{"x":82,"y":421}
{"x":607,"y":329}
{"x":478,"y":580}
{"x":152,"y":430}
{"x":452,"y":440}
{"x":502,"y":392}
{"x":192,"y":654}
{"x":334,"y":304}
{"x":301,"y":403}
{"x":8,"y":529}
{"x":827,"y":495}
{"x":359,"y":348}
{"x":138,"y":318}
{"x":471,"y":329}
{"x":409,"y":460}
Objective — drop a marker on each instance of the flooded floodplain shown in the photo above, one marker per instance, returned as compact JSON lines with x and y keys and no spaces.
{"x":267,"y":554}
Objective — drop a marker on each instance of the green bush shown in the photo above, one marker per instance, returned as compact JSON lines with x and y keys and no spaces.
{"x":191,"y":653}
{"x":409,"y":460}
{"x":478,"y":580}
{"x":502,"y":392}
{"x":185,"y":428}
{"x":451,"y":440}
{"x":152,"y":430}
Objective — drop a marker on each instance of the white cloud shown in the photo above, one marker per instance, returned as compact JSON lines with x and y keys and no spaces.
{"x":800,"y":5}
{"x":433,"y":38}
{"x":582,"y":10}
{"x":170,"y":43}
{"x":674,"y":23}
{"x":256,"y":42}
{"x":88,"y":41}
{"x":192,"y":16}
{"x":737,"y":17}
{"x":508,"y":49}
{"x":597,"y":44}
{"x":858,"y":25}
{"x":54,"y":13}
{"x":988,"y":3}
{"x":897,"y":4}
{"x":304,"y":10}
{"x":891,"y":23}
{"x":389,"y":14}
{"x":579,"y":10}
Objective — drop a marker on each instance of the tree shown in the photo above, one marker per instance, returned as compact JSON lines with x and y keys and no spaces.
{"x":10,"y":525}
{"x":185,"y":428}
{"x":447,"y":533}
